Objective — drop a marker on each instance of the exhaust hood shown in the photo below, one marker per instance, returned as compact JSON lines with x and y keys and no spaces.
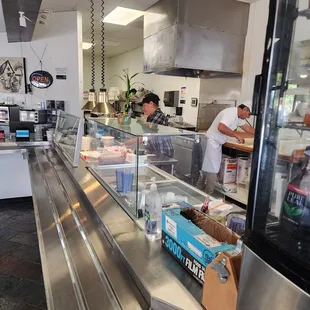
{"x":195,"y":38}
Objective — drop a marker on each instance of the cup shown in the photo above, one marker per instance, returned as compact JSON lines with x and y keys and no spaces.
{"x":124,"y":181}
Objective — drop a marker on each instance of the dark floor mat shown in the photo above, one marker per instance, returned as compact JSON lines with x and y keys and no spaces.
{"x":21,"y":281}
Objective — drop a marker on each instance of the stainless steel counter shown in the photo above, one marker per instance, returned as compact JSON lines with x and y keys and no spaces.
{"x":94,"y":256}
{"x":25,"y":144}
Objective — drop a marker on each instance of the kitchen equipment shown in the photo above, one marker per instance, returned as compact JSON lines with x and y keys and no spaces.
{"x":35,"y":116}
{"x":180,"y":40}
{"x":9,"y":113}
{"x":178,"y":111}
{"x":171,"y":98}
{"x":208,"y":111}
{"x":52,"y":106}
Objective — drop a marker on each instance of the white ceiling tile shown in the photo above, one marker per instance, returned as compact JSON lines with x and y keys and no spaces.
{"x":130,"y":36}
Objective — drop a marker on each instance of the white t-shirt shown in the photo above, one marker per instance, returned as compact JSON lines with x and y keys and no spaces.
{"x":228,"y":117}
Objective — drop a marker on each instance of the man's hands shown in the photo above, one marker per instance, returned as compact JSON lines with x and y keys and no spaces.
{"x":239,"y":138}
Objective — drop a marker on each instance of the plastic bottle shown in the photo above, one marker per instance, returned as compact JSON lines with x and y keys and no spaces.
{"x":153,"y":214}
{"x":295,"y":215}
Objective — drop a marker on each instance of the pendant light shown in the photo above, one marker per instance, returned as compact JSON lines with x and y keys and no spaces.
{"x":91,"y":103}
{"x":103,"y":106}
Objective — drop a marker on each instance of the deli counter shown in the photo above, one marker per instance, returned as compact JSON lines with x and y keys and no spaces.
{"x":88,"y":194}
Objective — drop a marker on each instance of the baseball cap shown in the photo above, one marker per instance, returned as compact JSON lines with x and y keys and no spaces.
{"x":150,"y":97}
{"x":243,"y":106}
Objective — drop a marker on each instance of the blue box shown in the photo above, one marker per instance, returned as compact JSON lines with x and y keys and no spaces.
{"x":188,"y":244}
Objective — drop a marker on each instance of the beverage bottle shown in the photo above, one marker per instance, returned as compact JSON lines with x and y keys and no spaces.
{"x":153,"y":214}
{"x":295,"y":213}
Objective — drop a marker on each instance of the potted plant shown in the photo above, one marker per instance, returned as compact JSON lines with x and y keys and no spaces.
{"x":124,"y":117}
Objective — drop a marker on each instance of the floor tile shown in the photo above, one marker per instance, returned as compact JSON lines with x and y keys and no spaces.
{"x":7,"y":284}
{"x":25,"y":227}
{"x":25,"y":217}
{"x":25,"y":238}
{"x":28,"y":307}
{"x":40,"y":280}
{"x":29,"y":292}
{"x":21,"y":284}
{"x":8,"y":304}
{"x":27,"y":253}
{"x":8,"y":262}
{"x":43,"y":304}
{"x":6,"y":234}
{"x":26,"y":270}
{"x":6,"y":248}
{"x":4,"y":216}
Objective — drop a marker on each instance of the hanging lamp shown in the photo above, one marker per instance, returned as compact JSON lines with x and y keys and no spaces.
{"x":91,"y":103}
{"x":103,"y":106}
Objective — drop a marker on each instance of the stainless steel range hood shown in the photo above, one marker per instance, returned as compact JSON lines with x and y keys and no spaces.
{"x":195,"y":38}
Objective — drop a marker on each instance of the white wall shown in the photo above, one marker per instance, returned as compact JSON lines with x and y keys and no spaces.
{"x":63,"y":41}
{"x":254,"y":47}
{"x":133,"y":61}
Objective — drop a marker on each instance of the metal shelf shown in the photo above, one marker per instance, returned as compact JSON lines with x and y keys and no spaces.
{"x":297,"y":127}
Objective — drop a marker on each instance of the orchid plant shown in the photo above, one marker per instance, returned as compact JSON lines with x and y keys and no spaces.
{"x":129,"y":85}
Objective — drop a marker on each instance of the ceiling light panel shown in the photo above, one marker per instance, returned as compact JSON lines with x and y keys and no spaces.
{"x":122,"y":16}
{"x":86,"y":46}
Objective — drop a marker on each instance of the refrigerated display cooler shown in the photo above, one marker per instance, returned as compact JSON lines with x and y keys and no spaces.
{"x":275,"y":271}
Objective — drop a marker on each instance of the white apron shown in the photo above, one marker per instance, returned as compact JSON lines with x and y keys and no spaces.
{"x":213,"y":157}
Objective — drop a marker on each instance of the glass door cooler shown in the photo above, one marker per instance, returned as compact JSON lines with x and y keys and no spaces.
{"x":275,"y":271}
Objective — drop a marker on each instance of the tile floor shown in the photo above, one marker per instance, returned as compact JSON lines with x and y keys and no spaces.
{"x":21,"y":282}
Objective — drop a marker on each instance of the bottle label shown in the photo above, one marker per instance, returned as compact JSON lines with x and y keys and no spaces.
{"x":150,"y":223}
{"x":295,"y":202}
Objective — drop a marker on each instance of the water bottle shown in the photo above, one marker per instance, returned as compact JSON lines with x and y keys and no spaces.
{"x":153,"y":210}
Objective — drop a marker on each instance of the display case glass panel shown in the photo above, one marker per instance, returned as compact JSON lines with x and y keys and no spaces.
{"x":279,"y":205}
{"x":68,"y":136}
{"x":127,"y":159}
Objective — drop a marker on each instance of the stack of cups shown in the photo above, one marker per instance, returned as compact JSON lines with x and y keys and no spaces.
{"x":124,"y":180}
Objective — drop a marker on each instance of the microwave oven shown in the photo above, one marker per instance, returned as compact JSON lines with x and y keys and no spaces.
{"x":171,"y":98}
{"x":34,"y":116}
{"x":9,"y":113}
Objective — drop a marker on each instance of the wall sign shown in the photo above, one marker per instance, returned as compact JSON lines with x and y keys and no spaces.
{"x":61,"y":73}
{"x":41,"y":79}
{"x":183,"y":95}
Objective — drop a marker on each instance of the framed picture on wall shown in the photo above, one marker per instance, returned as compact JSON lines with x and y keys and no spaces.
{"x":12,"y":75}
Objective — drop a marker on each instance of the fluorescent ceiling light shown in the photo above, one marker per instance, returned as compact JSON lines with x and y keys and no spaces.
{"x":86,"y":46}
{"x":122,"y":16}
{"x":303,"y":76}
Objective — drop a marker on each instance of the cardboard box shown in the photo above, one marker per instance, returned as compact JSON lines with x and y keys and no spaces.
{"x":228,"y":291}
{"x":228,"y":174}
{"x":193,"y":248}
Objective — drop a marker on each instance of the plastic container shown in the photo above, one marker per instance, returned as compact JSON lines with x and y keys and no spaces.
{"x":86,"y":143}
{"x":242,"y":170}
{"x":107,"y":141}
{"x":112,"y":158}
{"x":153,"y":214}
{"x":50,"y":135}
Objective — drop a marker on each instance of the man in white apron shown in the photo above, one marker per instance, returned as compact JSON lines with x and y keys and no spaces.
{"x":223,"y":126}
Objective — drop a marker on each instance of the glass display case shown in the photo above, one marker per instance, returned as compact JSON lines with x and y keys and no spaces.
{"x":68,"y":136}
{"x":278,"y":219}
{"x":127,"y":159}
